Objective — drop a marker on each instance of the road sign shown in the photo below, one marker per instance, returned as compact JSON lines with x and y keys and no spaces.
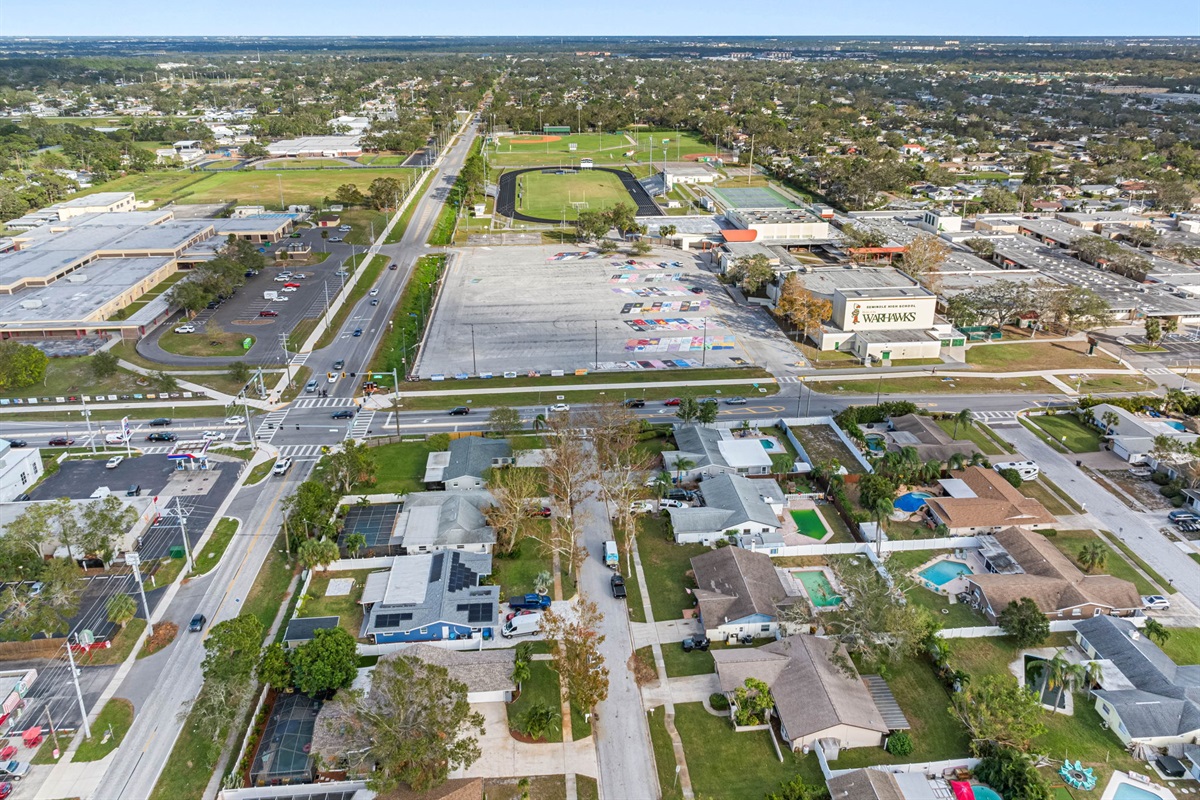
{"x":133,"y":559}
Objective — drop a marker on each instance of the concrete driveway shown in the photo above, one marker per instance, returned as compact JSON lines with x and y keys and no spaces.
{"x":505,"y":757}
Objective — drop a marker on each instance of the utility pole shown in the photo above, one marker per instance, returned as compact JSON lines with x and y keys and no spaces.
{"x":396,"y":404}
{"x":249,"y":424}
{"x":134,"y":560}
{"x":474,"y":362}
{"x":187,"y":547}
{"x":87,"y":729}
{"x":750,"y":174}
{"x":287,"y":357}
{"x":279,"y":180}
{"x":87,"y":416}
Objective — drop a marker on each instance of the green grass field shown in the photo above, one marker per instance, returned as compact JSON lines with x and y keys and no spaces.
{"x":551,"y":196}
{"x":606,"y":148}
{"x":1079,"y":438}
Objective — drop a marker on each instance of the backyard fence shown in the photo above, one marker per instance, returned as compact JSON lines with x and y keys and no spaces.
{"x":850,"y":548}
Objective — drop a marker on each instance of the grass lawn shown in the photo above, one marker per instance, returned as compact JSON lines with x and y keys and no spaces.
{"x":1136,"y":559}
{"x":122,"y":644}
{"x":1115,"y":383}
{"x":755,"y":397}
{"x":514,"y":573}
{"x":1038,"y":491}
{"x":972,"y":434}
{"x":210,"y":556}
{"x":116,"y":716}
{"x":827,"y":359}
{"x":261,"y":187}
{"x":400,"y":466}
{"x":1079,"y":438}
{"x":952,"y":615}
{"x":1037,"y":356}
{"x":913,"y":387}
{"x":664,"y":755}
{"x":1183,"y":646}
{"x":542,"y":687}
{"x":749,"y":374}
{"x":270,"y":587}
{"x":73,"y":376}
{"x":551,"y":196}
{"x":711,"y":747}
{"x":823,"y":445}
{"x":361,"y":220}
{"x":168,"y":570}
{"x":680,"y":664}
{"x":206,"y":341}
{"x":259,"y":472}
{"x":344,"y":607}
{"x":1070,"y":543}
{"x":666,"y":565}
{"x":405,"y":331}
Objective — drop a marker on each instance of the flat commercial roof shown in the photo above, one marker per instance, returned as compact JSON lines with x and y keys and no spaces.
{"x":827,"y":280}
{"x":888,"y":293}
{"x":97,"y":199}
{"x":313,"y":144}
{"x":80,"y":294}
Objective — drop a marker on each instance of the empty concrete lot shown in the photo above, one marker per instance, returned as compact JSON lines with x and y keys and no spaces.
{"x":518,"y":309}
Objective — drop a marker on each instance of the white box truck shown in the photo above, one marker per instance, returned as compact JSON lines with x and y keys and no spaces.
{"x":272,"y":295}
{"x":522,"y":625}
{"x":612,"y":559}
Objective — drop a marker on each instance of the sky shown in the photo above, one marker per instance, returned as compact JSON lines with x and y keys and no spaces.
{"x":1030,"y":18}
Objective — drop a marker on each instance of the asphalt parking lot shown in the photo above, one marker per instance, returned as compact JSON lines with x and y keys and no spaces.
{"x":78,"y":479}
{"x":556,"y":307}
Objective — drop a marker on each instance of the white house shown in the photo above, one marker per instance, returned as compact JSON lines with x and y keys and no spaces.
{"x":732,"y":504}
{"x":705,"y":452}
{"x":19,"y":470}
{"x":1132,"y":435}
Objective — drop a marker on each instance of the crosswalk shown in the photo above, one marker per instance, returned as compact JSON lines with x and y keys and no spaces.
{"x":299,"y":359}
{"x":323,"y":402}
{"x":362,"y":424}
{"x":301,"y":452}
{"x":995,"y":418}
{"x":1157,"y":371}
{"x":270,"y":424}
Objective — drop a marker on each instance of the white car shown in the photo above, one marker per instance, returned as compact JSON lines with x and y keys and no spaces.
{"x":114,"y":438}
{"x":1155,"y":602}
{"x":186,"y":329}
{"x":333,"y":376}
{"x":374,"y":292}
{"x":214,"y":436}
{"x":114,"y":462}
{"x":641,"y":507}
{"x":235,"y":420}
{"x":282,"y":466}
{"x":669,"y":503}
{"x":560,"y":407}
{"x":289,"y":288}
{"x":282,"y":278}
{"x":299,"y":276}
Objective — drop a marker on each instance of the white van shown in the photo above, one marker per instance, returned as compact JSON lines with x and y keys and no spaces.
{"x":1028,"y":470}
{"x":114,"y":438}
{"x":522,"y":625}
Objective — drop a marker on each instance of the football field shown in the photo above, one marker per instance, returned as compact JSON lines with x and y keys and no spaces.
{"x":553,"y":196}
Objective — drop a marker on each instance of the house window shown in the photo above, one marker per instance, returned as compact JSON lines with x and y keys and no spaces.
{"x":1077,"y":612}
{"x":424,"y":630}
{"x":765,"y":628}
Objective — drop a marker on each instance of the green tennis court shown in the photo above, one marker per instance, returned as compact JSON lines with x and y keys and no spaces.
{"x":809,"y":523}
{"x":752,"y":197}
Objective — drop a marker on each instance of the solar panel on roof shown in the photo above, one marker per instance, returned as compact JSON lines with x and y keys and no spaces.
{"x":435,"y":566}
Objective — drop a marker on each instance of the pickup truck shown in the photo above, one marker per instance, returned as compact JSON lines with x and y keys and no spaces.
{"x":535,"y":602}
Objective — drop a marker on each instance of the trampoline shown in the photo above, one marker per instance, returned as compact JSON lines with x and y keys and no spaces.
{"x":373,"y":522}
{"x":284,"y":752}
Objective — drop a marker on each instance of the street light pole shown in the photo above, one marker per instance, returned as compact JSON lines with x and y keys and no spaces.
{"x":87,"y":416}
{"x":134,"y":560}
{"x":87,"y":729}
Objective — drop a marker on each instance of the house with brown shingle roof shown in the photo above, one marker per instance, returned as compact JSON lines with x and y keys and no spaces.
{"x":864,"y":784}
{"x":739,"y":593}
{"x":1033,"y":567}
{"x":995,"y":505}
{"x":819,"y":696}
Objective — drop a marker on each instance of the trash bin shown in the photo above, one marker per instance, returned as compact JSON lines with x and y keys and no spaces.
{"x":1078,"y":463}
{"x":177,"y":551}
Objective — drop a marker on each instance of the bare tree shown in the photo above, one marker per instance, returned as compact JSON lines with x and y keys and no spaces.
{"x":576,"y":648}
{"x":512,"y":489}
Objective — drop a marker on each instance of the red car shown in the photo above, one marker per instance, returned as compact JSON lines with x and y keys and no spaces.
{"x":674,"y":401}
{"x":522,"y":613}
{"x":540,"y":511}
{"x":5,"y":790}
{"x":291,"y":285}
{"x":61,"y":442}
{"x":268,"y":313}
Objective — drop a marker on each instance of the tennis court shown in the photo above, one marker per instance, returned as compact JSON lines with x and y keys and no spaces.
{"x":752,"y":197}
{"x":373,"y":522}
{"x":284,"y":753}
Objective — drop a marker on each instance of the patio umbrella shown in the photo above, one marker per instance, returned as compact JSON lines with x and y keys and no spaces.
{"x":31,"y":736}
{"x":962,"y":790}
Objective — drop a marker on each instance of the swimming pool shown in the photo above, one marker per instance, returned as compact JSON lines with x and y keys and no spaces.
{"x":820,"y":590}
{"x":1179,"y":426}
{"x":1127,"y":791}
{"x":985,"y":792}
{"x":944,"y":571}
{"x":809,"y":523}
{"x":876,"y":442}
{"x":912,"y":501}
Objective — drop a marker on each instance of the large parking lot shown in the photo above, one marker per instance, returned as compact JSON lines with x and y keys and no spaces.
{"x":518,"y":309}
{"x":240,"y":313}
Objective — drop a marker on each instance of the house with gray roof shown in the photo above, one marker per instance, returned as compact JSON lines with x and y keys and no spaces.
{"x":704,"y":452}
{"x":864,"y":784}
{"x":1145,"y":698}
{"x":820,"y":699}
{"x":464,"y":465}
{"x":739,"y":593}
{"x":486,"y":673}
{"x":451,"y":520}
{"x":732,"y":505}
{"x":431,"y":597}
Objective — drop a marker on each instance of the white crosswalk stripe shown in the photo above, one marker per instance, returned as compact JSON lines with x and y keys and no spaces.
{"x":1157,"y":371}
{"x":989,"y":415}
{"x":323,"y":402}
{"x":299,"y":359}
{"x":362,"y":424}
{"x":270,"y":423}
{"x":154,"y":451}
{"x":301,"y":452}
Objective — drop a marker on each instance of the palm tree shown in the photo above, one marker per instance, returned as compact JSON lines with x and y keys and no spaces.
{"x":978,"y":460}
{"x":963,"y":418}
{"x":542,"y":581}
{"x":1093,"y":555}
{"x":1175,"y":400}
{"x":521,"y":664}
{"x":662,"y":483}
{"x":882,"y":510}
{"x":540,"y":423}
{"x":539,"y":720}
{"x":121,"y":609}
{"x":931,"y":471}
{"x":1110,"y":419}
{"x":910,"y":462}
{"x":956,"y":461}
{"x":1093,"y":673}
{"x":682,"y":465}
{"x":1058,"y":673}
{"x":1156,"y":631}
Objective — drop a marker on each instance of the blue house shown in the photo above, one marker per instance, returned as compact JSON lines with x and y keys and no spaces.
{"x":431,"y":597}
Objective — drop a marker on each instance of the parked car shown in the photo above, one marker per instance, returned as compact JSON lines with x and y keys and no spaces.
{"x":735,"y":401}
{"x":134,"y":490}
{"x":160,"y":422}
{"x":522,"y":625}
{"x":35,"y":589}
{"x":674,"y":401}
{"x":695,"y":643}
{"x":1155,"y":602}
{"x":345,"y":228}
{"x":291,"y":284}
{"x":560,"y":407}
{"x":114,"y":462}
{"x":335,"y":238}
{"x":250,"y":273}
{"x":14,"y":769}
{"x":681,"y":494}
{"x":1181,"y":514}
{"x":345,"y":413}
{"x":696,"y":290}
{"x":635,"y":402}
{"x":237,"y":419}
{"x":17,"y":443}
{"x":618,"y":586}
{"x":289,"y":288}
{"x":669,"y":503}
{"x":535,"y":602}
{"x":294,"y":235}
{"x":5,"y":790}
{"x":459,"y":411}
{"x":60,"y":441}
{"x":186,"y":329}
{"x":268,"y":313}
{"x":641,"y":507}
{"x":197,"y":623}
{"x":311,"y":386}
{"x":161,"y":437}
{"x":282,"y":466}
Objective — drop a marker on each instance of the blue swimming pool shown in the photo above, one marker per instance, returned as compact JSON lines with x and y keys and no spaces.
{"x":944,"y":571}
{"x":912,"y":501}
{"x":1179,"y":426}
{"x":985,"y":792}
{"x":1127,"y":791}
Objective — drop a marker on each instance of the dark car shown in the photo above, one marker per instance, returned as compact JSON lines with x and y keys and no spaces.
{"x":696,"y":290}
{"x":695,"y":643}
{"x":15,"y":443}
{"x":61,"y":441}
{"x":687,"y":495}
{"x":618,"y":586}
{"x":357,"y":332}
{"x":338,"y":365}
{"x":394,"y":266}
{"x":160,"y":422}
{"x":459,"y":411}
{"x":534,"y":602}
{"x":250,"y":273}
{"x":635,"y":402}
{"x":134,"y":490}
{"x":268,"y":313}
{"x":345,"y":413}
{"x":161,"y":437}
{"x":197,"y":623}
